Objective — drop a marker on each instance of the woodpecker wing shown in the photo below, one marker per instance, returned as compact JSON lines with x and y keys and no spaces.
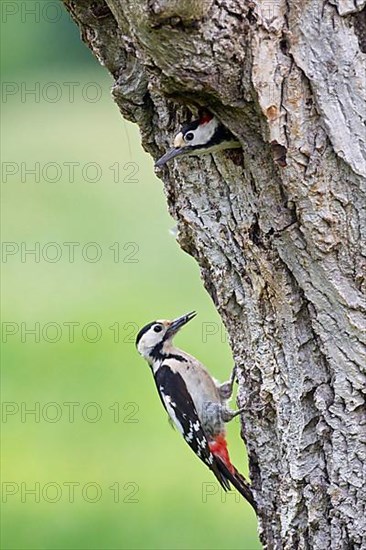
{"x":181,"y":409}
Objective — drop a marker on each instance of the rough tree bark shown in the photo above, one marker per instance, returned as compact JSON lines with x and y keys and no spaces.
{"x":280,"y":247}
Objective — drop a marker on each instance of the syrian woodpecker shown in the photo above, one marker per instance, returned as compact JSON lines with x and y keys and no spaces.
{"x":202,"y":136}
{"x":194,"y":401}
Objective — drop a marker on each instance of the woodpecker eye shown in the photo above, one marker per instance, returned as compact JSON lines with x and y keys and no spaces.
{"x":158,"y":328}
{"x":189,"y":136}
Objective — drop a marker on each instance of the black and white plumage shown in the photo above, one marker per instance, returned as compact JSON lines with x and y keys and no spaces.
{"x":199,"y":137}
{"x":181,"y":409}
{"x":194,"y":401}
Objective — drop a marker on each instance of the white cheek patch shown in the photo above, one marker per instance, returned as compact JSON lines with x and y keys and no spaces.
{"x":204,"y":133}
{"x":147,"y":342}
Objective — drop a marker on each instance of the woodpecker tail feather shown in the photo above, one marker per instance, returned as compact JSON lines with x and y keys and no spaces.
{"x":228,"y":472}
{"x":238,"y":481}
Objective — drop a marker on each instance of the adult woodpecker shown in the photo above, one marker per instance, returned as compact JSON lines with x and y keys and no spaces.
{"x":194,"y":401}
{"x":202,"y":136}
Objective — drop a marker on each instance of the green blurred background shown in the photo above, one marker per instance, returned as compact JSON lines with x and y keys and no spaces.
{"x":136,"y":483}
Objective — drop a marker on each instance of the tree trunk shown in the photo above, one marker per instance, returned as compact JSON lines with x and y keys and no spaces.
{"x":277,"y":228}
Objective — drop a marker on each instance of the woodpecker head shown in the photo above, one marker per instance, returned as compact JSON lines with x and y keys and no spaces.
{"x":157,"y":335}
{"x":205,"y":135}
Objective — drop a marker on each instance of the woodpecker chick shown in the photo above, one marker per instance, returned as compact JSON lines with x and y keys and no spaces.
{"x":202,"y":136}
{"x":194,"y":401}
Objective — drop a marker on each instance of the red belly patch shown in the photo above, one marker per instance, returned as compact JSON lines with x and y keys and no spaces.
{"x":218,"y":447}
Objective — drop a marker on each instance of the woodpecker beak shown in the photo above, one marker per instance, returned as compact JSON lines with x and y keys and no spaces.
{"x":179,"y":323}
{"x":169,"y":155}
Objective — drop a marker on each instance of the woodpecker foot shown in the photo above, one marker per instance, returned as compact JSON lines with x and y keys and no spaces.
{"x":226,"y":389}
{"x":228,"y":414}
